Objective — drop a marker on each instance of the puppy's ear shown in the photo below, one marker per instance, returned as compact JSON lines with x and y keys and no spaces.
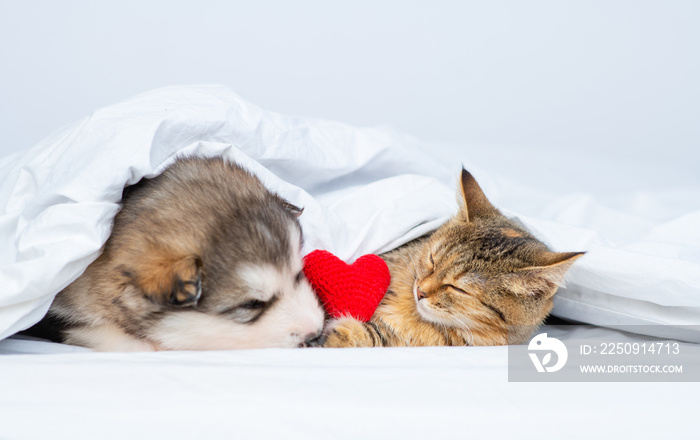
{"x":169,"y":279}
{"x":295,"y":210}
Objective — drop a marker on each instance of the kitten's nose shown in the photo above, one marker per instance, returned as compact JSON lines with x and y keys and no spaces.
{"x":420,"y":294}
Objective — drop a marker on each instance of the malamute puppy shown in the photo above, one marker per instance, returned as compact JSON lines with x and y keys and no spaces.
{"x":202,"y":257}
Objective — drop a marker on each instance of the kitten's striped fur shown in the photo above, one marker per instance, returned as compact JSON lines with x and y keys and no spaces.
{"x":463,"y":285}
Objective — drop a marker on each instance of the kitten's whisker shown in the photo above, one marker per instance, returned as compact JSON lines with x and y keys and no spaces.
{"x":464,"y":326}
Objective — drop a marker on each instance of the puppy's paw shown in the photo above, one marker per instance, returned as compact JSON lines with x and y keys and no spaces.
{"x":348,"y":332}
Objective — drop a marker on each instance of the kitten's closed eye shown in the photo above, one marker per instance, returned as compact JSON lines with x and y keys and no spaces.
{"x":453,"y":287}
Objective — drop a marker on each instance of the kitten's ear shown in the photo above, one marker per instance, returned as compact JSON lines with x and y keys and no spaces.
{"x":472,"y":201}
{"x":546,"y":275}
{"x":554,"y":265}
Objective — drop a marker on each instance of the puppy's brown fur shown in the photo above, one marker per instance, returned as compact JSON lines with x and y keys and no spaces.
{"x":201,"y":257}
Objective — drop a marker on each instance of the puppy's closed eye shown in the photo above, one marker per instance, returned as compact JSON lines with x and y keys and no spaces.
{"x":255,"y":304}
{"x":249,"y":311}
{"x":299,"y":277}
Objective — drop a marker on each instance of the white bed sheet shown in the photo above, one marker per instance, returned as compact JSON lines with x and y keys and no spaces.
{"x":392,"y":393}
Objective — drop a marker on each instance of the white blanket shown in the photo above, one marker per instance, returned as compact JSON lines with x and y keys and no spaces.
{"x":363,"y":190}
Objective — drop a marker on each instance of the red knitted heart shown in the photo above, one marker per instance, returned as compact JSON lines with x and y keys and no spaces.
{"x":347,"y":289}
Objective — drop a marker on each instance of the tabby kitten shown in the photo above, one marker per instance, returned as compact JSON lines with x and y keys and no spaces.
{"x":463,"y":285}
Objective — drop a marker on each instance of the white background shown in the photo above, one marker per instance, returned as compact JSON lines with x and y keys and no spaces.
{"x":613,"y":76}
{"x":535,"y":84}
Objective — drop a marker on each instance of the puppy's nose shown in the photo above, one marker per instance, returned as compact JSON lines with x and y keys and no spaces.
{"x":314,"y":339}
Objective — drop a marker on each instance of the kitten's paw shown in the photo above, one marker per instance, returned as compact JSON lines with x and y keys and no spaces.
{"x":348,"y":332}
